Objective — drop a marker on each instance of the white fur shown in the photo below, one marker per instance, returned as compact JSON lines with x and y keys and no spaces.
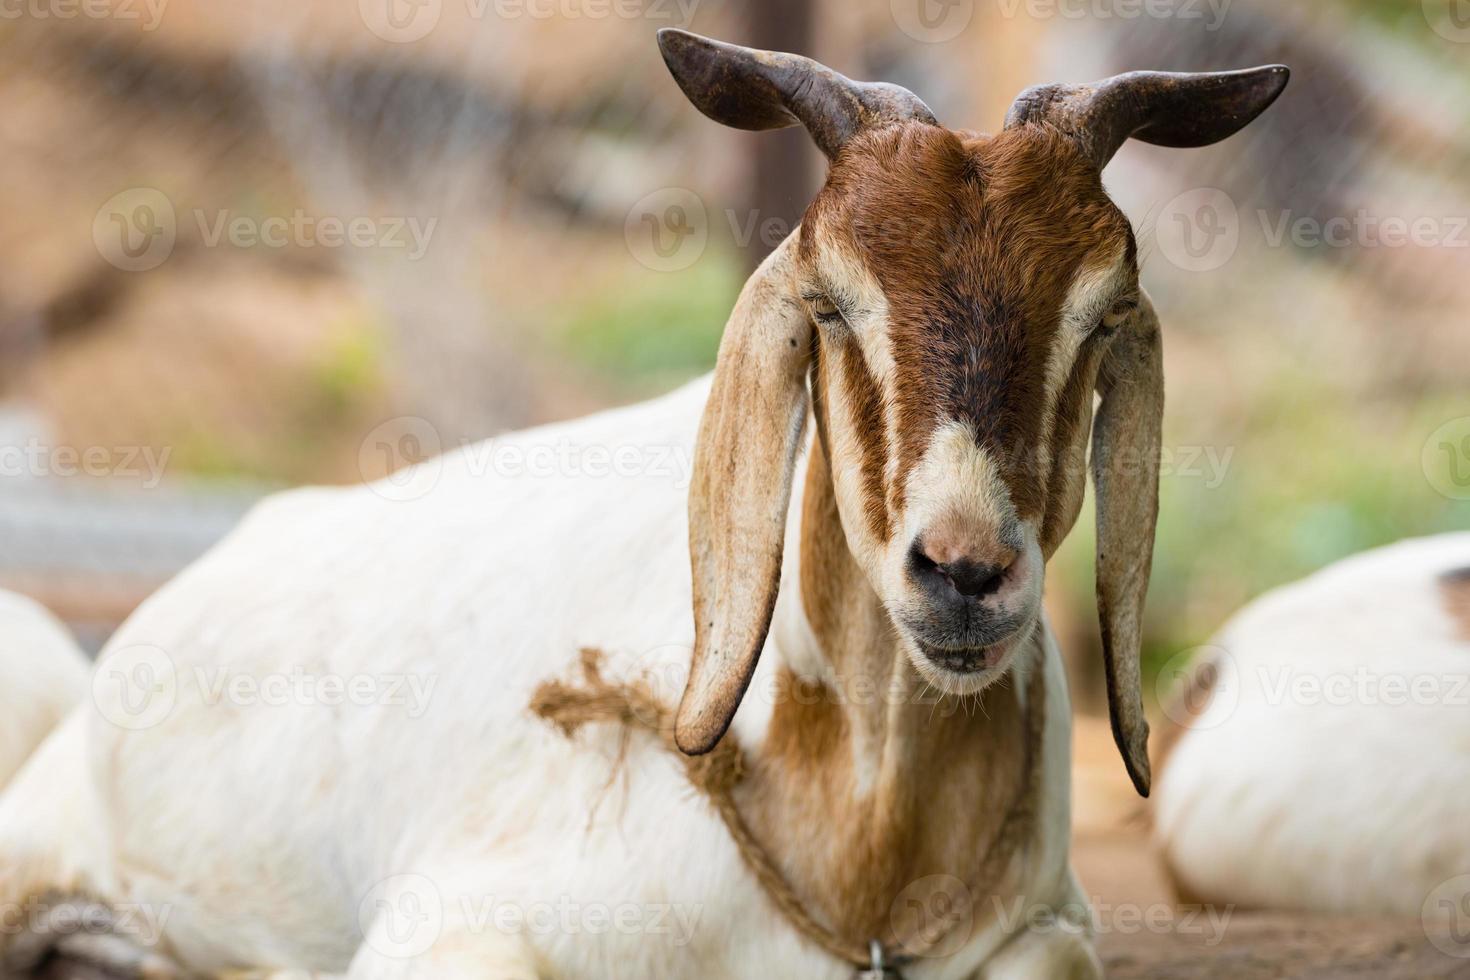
{"x":1351,"y":796}
{"x":42,"y":674}
{"x":259,"y":832}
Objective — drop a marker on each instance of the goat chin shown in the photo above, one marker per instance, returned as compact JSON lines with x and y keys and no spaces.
{"x":1000,"y":659}
{"x":1330,"y":770}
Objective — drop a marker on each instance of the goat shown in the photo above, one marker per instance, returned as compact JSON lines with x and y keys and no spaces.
{"x":920,"y":359}
{"x":1322,"y":763}
{"x":43,"y":674}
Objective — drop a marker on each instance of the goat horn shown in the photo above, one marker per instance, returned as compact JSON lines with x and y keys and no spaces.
{"x":1160,"y":107}
{"x":751,"y":89}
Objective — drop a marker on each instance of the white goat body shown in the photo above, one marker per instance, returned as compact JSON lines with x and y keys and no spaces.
{"x":1330,"y":771}
{"x":270,"y":832}
{"x":42,"y":675}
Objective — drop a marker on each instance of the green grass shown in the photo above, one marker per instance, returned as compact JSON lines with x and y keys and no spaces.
{"x":660,"y":329}
{"x":1315,"y":476}
{"x":351,"y":368}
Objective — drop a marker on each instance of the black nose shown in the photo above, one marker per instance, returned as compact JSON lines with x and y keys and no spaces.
{"x":970,"y":579}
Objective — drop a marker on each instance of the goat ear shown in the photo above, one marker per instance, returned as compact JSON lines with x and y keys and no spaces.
{"x":741,"y":487}
{"x":1125,"y":473}
{"x":1161,"y":107}
{"x":751,"y":89}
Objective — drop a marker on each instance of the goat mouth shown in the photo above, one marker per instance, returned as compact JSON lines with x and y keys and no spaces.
{"x":967,"y":664}
{"x":964,"y":660}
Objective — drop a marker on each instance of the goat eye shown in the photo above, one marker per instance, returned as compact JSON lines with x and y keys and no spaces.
{"x":825,"y":309}
{"x":1115,"y":317}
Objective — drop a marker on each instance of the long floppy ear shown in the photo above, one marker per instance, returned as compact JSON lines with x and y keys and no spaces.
{"x":1161,"y":107}
{"x":751,"y":89}
{"x":743,"y":467}
{"x":1126,"y":439}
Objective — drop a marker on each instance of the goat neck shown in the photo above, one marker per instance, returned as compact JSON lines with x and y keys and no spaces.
{"x":872,"y":788}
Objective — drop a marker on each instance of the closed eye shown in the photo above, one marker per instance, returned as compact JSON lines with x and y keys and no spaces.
{"x":824,"y":308}
{"x":1118,"y":314}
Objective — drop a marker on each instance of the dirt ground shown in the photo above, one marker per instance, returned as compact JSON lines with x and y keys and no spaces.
{"x":1121,"y":874}
{"x":1130,"y":889}
{"x":1258,"y":947}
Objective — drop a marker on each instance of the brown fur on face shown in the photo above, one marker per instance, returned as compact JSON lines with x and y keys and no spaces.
{"x":975,"y":242}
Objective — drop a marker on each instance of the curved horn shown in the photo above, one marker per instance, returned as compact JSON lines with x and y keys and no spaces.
{"x":751,"y":89}
{"x":1161,"y":107}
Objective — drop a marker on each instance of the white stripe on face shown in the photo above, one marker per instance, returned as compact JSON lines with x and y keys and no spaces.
{"x":842,"y":275}
{"x":1093,"y":291}
{"x":955,"y":491}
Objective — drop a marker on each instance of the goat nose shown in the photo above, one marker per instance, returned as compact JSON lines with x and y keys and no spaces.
{"x":970,"y":577}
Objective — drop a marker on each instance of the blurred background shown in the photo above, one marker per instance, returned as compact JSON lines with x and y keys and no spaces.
{"x":247,"y":245}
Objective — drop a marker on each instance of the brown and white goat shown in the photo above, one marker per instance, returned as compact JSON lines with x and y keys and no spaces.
{"x":920,"y":359}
